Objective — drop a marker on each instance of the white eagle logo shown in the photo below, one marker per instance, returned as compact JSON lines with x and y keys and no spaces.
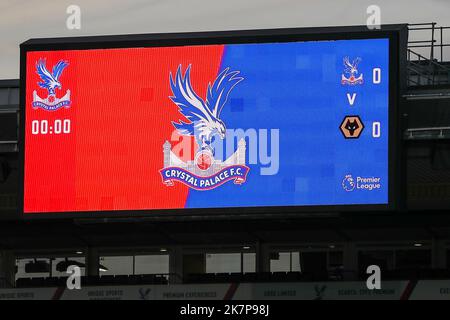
{"x":351,"y":68}
{"x":50,"y":81}
{"x":204,"y":115}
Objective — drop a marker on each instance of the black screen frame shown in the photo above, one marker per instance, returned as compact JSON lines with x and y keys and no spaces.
{"x":397,"y":35}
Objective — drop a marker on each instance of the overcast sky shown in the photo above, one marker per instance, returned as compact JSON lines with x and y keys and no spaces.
{"x":24,"y":19}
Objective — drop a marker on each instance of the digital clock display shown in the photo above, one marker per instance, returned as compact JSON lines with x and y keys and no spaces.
{"x":58,"y":126}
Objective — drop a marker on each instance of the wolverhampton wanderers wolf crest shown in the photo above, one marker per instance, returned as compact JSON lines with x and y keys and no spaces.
{"x":204,"y":122}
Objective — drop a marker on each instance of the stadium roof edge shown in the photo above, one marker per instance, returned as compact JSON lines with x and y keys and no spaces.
{"x":200,"y":34}
{"x":9,"y":83}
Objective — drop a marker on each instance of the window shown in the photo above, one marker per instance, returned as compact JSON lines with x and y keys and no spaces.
{"x":223,"y":262}
{"x":151,"y":264}
{"x":56,"y":273}
{"x":249,"y":263}
{"x":230,"y":262}
{"x":285,"y":262}
{"x":119,"y":265}
{"x":22,"y":266}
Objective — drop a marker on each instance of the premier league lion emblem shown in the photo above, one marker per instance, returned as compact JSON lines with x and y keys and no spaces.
{"x":348,"y":183}
{"x":204,"y":172}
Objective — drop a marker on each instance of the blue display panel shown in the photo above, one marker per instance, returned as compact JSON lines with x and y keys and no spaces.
{"x":314,"y":116}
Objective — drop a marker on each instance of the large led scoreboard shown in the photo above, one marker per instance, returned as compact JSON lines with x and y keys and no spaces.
{"x":268,"y":121}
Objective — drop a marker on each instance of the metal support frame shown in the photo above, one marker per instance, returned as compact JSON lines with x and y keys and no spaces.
{"x":430,"y":70}
{"x":427,"y":133}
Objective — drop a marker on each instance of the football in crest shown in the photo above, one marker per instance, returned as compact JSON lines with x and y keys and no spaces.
{"x":204,"y":160}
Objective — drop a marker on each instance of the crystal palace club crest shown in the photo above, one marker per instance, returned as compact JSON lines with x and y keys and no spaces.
{"x":204,"y":172}
{"x":351,"y":75}
{"x":51,"y":82}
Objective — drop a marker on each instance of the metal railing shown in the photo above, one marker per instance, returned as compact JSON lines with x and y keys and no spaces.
{"x":430,"y":67}
{"x":427,"y":133}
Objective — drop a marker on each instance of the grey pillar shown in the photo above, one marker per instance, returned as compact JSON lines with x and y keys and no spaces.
{"x":7,"y":269}
{"x":175,"y":265}
{"x":262,"y":257}
{"x":438,"y":254}
{"x":93,"y":262}
{"x":193,"y":263}
{"x":350,"y":261}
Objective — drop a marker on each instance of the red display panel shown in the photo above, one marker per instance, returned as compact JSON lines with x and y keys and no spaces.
{"x":103,"y":152}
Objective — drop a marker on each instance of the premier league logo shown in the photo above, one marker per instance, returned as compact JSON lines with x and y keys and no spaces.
{"x":50,"y":81}
{"x":351,"y":75}
{"x":348,"y":183}
{"x":204,"y":172}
